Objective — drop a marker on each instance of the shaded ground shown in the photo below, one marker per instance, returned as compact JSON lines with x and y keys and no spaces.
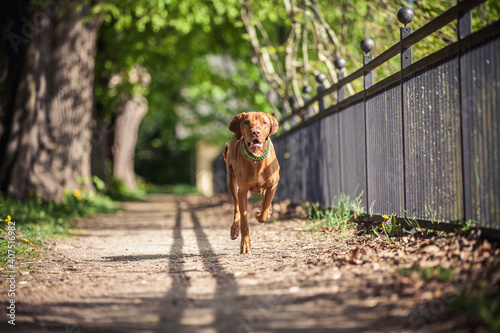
{"x":168,"y":265}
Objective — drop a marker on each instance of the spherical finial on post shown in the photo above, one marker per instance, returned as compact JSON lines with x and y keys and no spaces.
{"x":405,"y":15}
{"x":367,"y":45}
{"x":339,"y":63}
{"x":320,"y":78}
{"x":306,"y":89}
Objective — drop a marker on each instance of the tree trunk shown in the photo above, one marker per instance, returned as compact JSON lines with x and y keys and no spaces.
{"x":101,"y":150}
{"x":45,"y":142}
{"x":127,"y":123}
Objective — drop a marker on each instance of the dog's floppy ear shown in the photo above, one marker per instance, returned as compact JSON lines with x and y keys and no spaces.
{"x":274,"y":124}
{"x":235,"y":125}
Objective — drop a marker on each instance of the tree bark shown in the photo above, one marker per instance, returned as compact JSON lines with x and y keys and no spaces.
{"x":127,"y":123}
{"x":45,"y":142}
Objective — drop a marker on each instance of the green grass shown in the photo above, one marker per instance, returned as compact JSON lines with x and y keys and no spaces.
{"x":480,"y":307}
{"x":438,"y":273}
{"x":171,"y":189}
{"x":36,"y":219}
{"x":339,"y":218}
{"x":480,"y":304}
{"x":118,"y":191}
{"x":393,"y":227}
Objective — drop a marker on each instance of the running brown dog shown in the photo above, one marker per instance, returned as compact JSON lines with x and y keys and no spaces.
{"x":251,"y":165}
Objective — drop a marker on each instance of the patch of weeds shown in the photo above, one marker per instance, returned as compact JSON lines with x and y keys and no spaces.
{"x":465,"y":225}
{"x":394,"y":227}
{"x":117,"y":190}
{"x":321,"y":236}
{"x":438,"y":273}
{"x":339,"y":218}
{"x":35,"y":218}
{"x":171,"y":189}
{"x":255,"y":197}
{"x":481,"y":308}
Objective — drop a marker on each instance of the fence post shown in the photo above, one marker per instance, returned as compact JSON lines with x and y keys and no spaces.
{"x":320,"y":78}
{"x":405,"y":16}
{"x":306,"y":90}
{"x":366,"y":45}
{"x":464,"y":24}
{"x":463,"y":30}
{"x":339,"y":64}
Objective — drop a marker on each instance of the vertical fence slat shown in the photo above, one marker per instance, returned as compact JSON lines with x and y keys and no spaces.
{"x":330,"y":159}
{"x":352,"y":151}
{"x":385,"y":153}
{"x":480,"y":100}
{"x":433,"y":154}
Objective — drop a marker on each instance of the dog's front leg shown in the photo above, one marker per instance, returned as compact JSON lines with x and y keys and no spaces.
{"x":233,"y":189}
{"x":245,"y":232}
{"x":267,"y":199}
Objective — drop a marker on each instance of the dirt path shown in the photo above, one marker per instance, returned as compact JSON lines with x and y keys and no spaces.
{"x":168,"y":265}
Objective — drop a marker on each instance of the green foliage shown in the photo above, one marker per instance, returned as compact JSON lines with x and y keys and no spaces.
{"x":479,"y":304}
{"x":200,"y":69}
{"x":98,"y":183}
{"x":465,"y":225}
{"x":36,"y":219}
{"x":339,"y":218}
{"x":179,"y":189}
{"x":354,"y":20}
{"x":480,"y":307}
{"x":394,"y":227}
{"x":438,"y":273}
{"x":117,"y":190}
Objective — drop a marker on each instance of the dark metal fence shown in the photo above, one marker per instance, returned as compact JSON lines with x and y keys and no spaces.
{"x":423,"y":143}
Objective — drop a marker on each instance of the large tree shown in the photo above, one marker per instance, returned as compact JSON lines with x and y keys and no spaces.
{"x":46,"y":85}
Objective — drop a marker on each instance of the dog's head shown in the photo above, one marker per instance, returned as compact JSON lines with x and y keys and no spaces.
{"x":254,"y":127}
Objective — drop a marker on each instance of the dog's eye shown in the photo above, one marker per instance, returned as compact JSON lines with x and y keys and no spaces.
{"x":264,"y":123}
{"x":247,"y":122}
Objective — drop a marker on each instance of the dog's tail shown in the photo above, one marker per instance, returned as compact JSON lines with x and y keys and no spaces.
{"x":226,"y":150}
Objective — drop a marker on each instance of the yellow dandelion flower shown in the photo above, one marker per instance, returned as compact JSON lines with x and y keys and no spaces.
{"x":31,"y":244}
{"x":26,"y":240}
{"x":8,"y":219}
{"x":385,"y":217}
{"x":76,"y":193}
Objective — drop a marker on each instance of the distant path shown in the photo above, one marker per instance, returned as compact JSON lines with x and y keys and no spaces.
{"x":168,"y":265}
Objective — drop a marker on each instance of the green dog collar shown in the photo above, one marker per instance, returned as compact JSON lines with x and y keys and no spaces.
{"x":257,"y":158}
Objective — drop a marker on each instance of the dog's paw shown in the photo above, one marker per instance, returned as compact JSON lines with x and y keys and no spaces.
{"x":245,"y":247}
{"x":259,"y":218}
{"x":235,"y":230}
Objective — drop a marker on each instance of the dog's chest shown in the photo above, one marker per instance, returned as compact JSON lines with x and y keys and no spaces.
{"x":258,"y":180}
{"x":258,"y":186}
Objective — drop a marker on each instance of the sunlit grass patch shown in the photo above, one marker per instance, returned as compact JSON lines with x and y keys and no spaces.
{"x":340,"y":218}
{"x":26,"y":222}
{"x":172,"y":189}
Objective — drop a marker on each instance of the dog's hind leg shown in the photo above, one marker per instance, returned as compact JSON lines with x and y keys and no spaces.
{"x":233,"y":190}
